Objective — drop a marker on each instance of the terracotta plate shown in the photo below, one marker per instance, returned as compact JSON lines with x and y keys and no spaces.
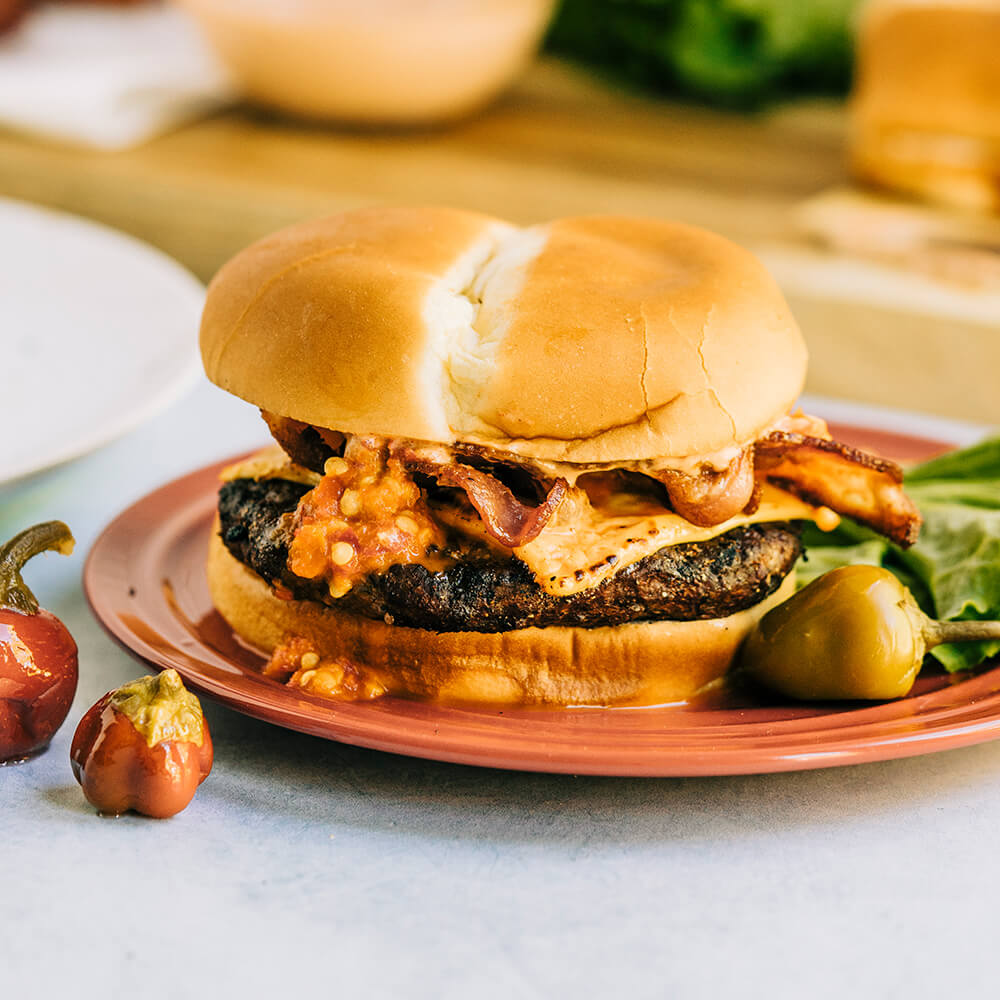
{"x":145,"y":581}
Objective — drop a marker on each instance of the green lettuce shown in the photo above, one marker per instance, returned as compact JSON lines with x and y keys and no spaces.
{"x":735,"y":53}
{"x":954,"y":569}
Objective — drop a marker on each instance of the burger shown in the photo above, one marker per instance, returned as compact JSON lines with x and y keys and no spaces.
{"x":542,"y":465}
{"x":925,"y":112}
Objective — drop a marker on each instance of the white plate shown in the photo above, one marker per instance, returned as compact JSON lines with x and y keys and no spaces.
{"x":99,"y":332}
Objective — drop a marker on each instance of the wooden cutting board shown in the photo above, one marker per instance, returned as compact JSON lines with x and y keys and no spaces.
{"x":559,"y":143}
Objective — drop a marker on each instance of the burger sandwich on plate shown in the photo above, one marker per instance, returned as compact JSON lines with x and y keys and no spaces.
{"x":543,"y":465}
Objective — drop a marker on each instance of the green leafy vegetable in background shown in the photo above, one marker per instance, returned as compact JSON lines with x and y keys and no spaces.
{"x":736,"y":53}
{"x":954,"y":569}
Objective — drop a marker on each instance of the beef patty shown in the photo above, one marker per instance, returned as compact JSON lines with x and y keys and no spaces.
{"x":484,"y":593}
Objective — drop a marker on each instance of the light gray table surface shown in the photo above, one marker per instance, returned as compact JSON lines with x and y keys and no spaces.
{"x":304,"y":865}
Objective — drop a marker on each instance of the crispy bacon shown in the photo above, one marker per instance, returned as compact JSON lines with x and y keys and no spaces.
{"x":509,"y":521}
{"x":797,"y":455}
{"x":852,"y":482}
{"x":304,"y":444}
{"x":711,"y":497}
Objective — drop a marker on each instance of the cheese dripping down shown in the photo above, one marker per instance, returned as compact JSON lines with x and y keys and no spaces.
{"x":584,"y":544}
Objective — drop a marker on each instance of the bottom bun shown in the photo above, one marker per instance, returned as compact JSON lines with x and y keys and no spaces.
{"x":641,"y":663}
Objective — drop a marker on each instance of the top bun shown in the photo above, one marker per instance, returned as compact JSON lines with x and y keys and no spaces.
{"x":594,"y":339}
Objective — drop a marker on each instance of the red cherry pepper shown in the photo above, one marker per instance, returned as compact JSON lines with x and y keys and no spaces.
{"x":38,"y":659}
{"x":11,"y":11}
{"x":144,"y":746}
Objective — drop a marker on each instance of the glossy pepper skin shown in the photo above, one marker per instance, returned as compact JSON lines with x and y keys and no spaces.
{"x":120,"y":770}
{"x":853,"y":633}
{"x":848,"y":634}
{"x":38,"y":657}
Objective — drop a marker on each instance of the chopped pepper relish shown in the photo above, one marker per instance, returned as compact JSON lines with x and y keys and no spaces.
{"x":365,"y":515}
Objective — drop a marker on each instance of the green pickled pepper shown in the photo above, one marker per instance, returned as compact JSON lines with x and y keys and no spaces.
{"x":853,"y":633}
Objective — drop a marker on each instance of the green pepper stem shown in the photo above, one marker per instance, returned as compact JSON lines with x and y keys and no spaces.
{"x":14,"y":592}
{"x":937,"y":633}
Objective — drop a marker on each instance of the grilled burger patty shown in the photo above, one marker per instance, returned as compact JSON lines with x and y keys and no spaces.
{"x":481,"y":593}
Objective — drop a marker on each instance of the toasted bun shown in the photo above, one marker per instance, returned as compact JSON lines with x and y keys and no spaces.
{"x":594,"y":339}
{"x":639,"y":664}
{"x":926,"y":104}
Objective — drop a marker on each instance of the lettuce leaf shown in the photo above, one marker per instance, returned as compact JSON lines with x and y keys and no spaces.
{"x":954,"y":569}
{"x":734,"y":53}
{"x":980,"y":461}
{"x":820,"y":559}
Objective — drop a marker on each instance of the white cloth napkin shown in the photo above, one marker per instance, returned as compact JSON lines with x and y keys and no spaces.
{"x":107,"y":77}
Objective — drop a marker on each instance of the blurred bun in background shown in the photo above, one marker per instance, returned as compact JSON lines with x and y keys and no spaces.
{"x":926,"y":104}
{"x":391,"y":62}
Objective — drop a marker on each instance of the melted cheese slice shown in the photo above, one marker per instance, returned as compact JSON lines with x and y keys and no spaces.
{"x":582,"y":545}
{"x":269,"y":463}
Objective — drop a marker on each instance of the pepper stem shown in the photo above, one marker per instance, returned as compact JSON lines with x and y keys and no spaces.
{"x":938,"y":633}
{"x":14,"y":592}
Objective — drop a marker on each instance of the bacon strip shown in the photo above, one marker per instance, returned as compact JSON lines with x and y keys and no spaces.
{"x":711,"y":497}
{"x":852,"y":482}
{"x":304,"y":444}
{"x":509,"y":521}
{"x":795,"y":457}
